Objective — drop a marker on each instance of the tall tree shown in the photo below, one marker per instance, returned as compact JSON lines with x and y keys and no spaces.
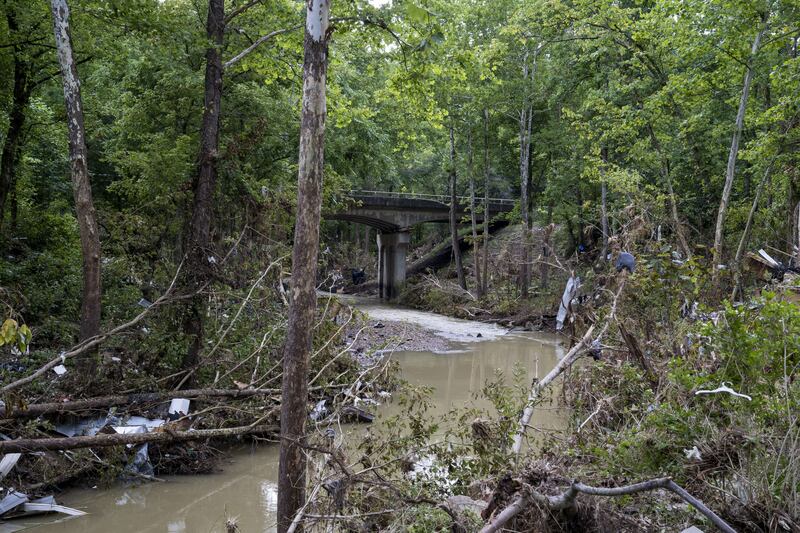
{"x":462,"y":281}
{"x":305,"y":252}
{"x":199,"y":238}
{"x":730,"y":171}
{"x":82,"y":190}
{"x":472,"y":206}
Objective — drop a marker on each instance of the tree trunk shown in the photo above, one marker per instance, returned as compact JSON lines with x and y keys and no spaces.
{"x":734,"y":151}
{"x":453,"y":206}
{"x":604,"y":205}
{"x":476,"y":262}
{"x":19,"y":103}
{"x":548,"y":234}
{"x":486,"y":214}
{"x":120,"y":439}
{"x":737,"y":262}
{"x":84,"y":206}
{"x":673,"y":204}
{"x":197,"y":247}
{"x":525,"y":118}
{"x":292,"y":474}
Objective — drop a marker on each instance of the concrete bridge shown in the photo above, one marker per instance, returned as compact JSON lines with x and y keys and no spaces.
{"x":393,"y":215}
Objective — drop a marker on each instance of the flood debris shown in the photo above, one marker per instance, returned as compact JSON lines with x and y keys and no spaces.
{"x":573,"y":284}
{"x":16,"y":504}
{"x":725,"y":387}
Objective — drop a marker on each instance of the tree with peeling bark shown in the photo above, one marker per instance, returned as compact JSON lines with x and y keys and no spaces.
{"x":305,"y":251}
{"x":84,"y":205}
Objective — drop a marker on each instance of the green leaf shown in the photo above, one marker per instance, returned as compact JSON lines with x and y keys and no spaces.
{"x":416,"y":14}
{"x":8,"y":332}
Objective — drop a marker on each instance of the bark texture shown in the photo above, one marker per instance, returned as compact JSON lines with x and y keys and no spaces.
{"x":292,"y":469}
{"x":199,"y":238}
{"x":84,"y":206}
{"x":730,"y":171}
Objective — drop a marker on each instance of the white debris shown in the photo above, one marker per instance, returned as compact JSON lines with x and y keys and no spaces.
{"x":60,"y":370}
{"x":569,"y":293}
{"x":692,"y":454}
{"x":768,"y":258}
{"x":725,"y":387}
{"x":8,"y":462}
{"x":319,"y":411}
{"x":178,"y":407}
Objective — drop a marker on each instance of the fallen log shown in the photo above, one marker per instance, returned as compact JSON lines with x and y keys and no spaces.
{"x":119,"y":439}
{"x":52,"y":408}
{"x":139,"y":398}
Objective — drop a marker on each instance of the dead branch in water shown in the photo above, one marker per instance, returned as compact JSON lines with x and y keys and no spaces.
{"x":567,"y":499}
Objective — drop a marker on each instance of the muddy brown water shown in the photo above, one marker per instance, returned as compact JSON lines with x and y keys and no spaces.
{"x":246,"y":487}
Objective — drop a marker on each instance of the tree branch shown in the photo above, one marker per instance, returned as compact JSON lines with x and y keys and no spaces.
{"x":567,"y":499}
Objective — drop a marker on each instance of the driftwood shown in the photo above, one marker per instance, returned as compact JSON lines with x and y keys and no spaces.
{"x":119,"y":439}
{"x":567,"y":499}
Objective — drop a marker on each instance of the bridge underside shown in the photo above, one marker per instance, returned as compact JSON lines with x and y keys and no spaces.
{"x":394,"y":217}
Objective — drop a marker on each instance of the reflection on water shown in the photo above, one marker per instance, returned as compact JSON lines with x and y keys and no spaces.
{"x":247,"y":489}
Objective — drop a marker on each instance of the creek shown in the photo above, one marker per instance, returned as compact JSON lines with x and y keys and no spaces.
{"x":246,"y":488}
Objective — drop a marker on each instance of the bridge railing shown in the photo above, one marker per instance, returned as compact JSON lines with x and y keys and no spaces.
{"x":423,"y":196}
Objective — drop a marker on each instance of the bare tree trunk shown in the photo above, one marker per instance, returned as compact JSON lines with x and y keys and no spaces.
{"x":453,"y":206}
{"x":197,"y":247}
{"x":476,"y":263}
{"x":730,"y":172}
{"x":486,"y":214}
{"x":84,"y":206}
{"x":19,"y":102}
{"x":292,"y":472}
{"x":603,"y":205}
{"x":525,"y":118}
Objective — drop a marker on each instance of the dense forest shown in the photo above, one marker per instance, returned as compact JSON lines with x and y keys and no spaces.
{"x":172,"y":182}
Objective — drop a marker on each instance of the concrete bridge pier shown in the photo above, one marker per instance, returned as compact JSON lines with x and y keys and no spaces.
{"x":392,"y":249}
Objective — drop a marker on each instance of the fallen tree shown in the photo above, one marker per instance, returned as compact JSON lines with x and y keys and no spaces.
{"x":164,"y":435}
{"x":141,"y":398}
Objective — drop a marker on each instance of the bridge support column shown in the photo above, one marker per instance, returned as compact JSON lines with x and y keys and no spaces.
{"x":392,"y":249}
